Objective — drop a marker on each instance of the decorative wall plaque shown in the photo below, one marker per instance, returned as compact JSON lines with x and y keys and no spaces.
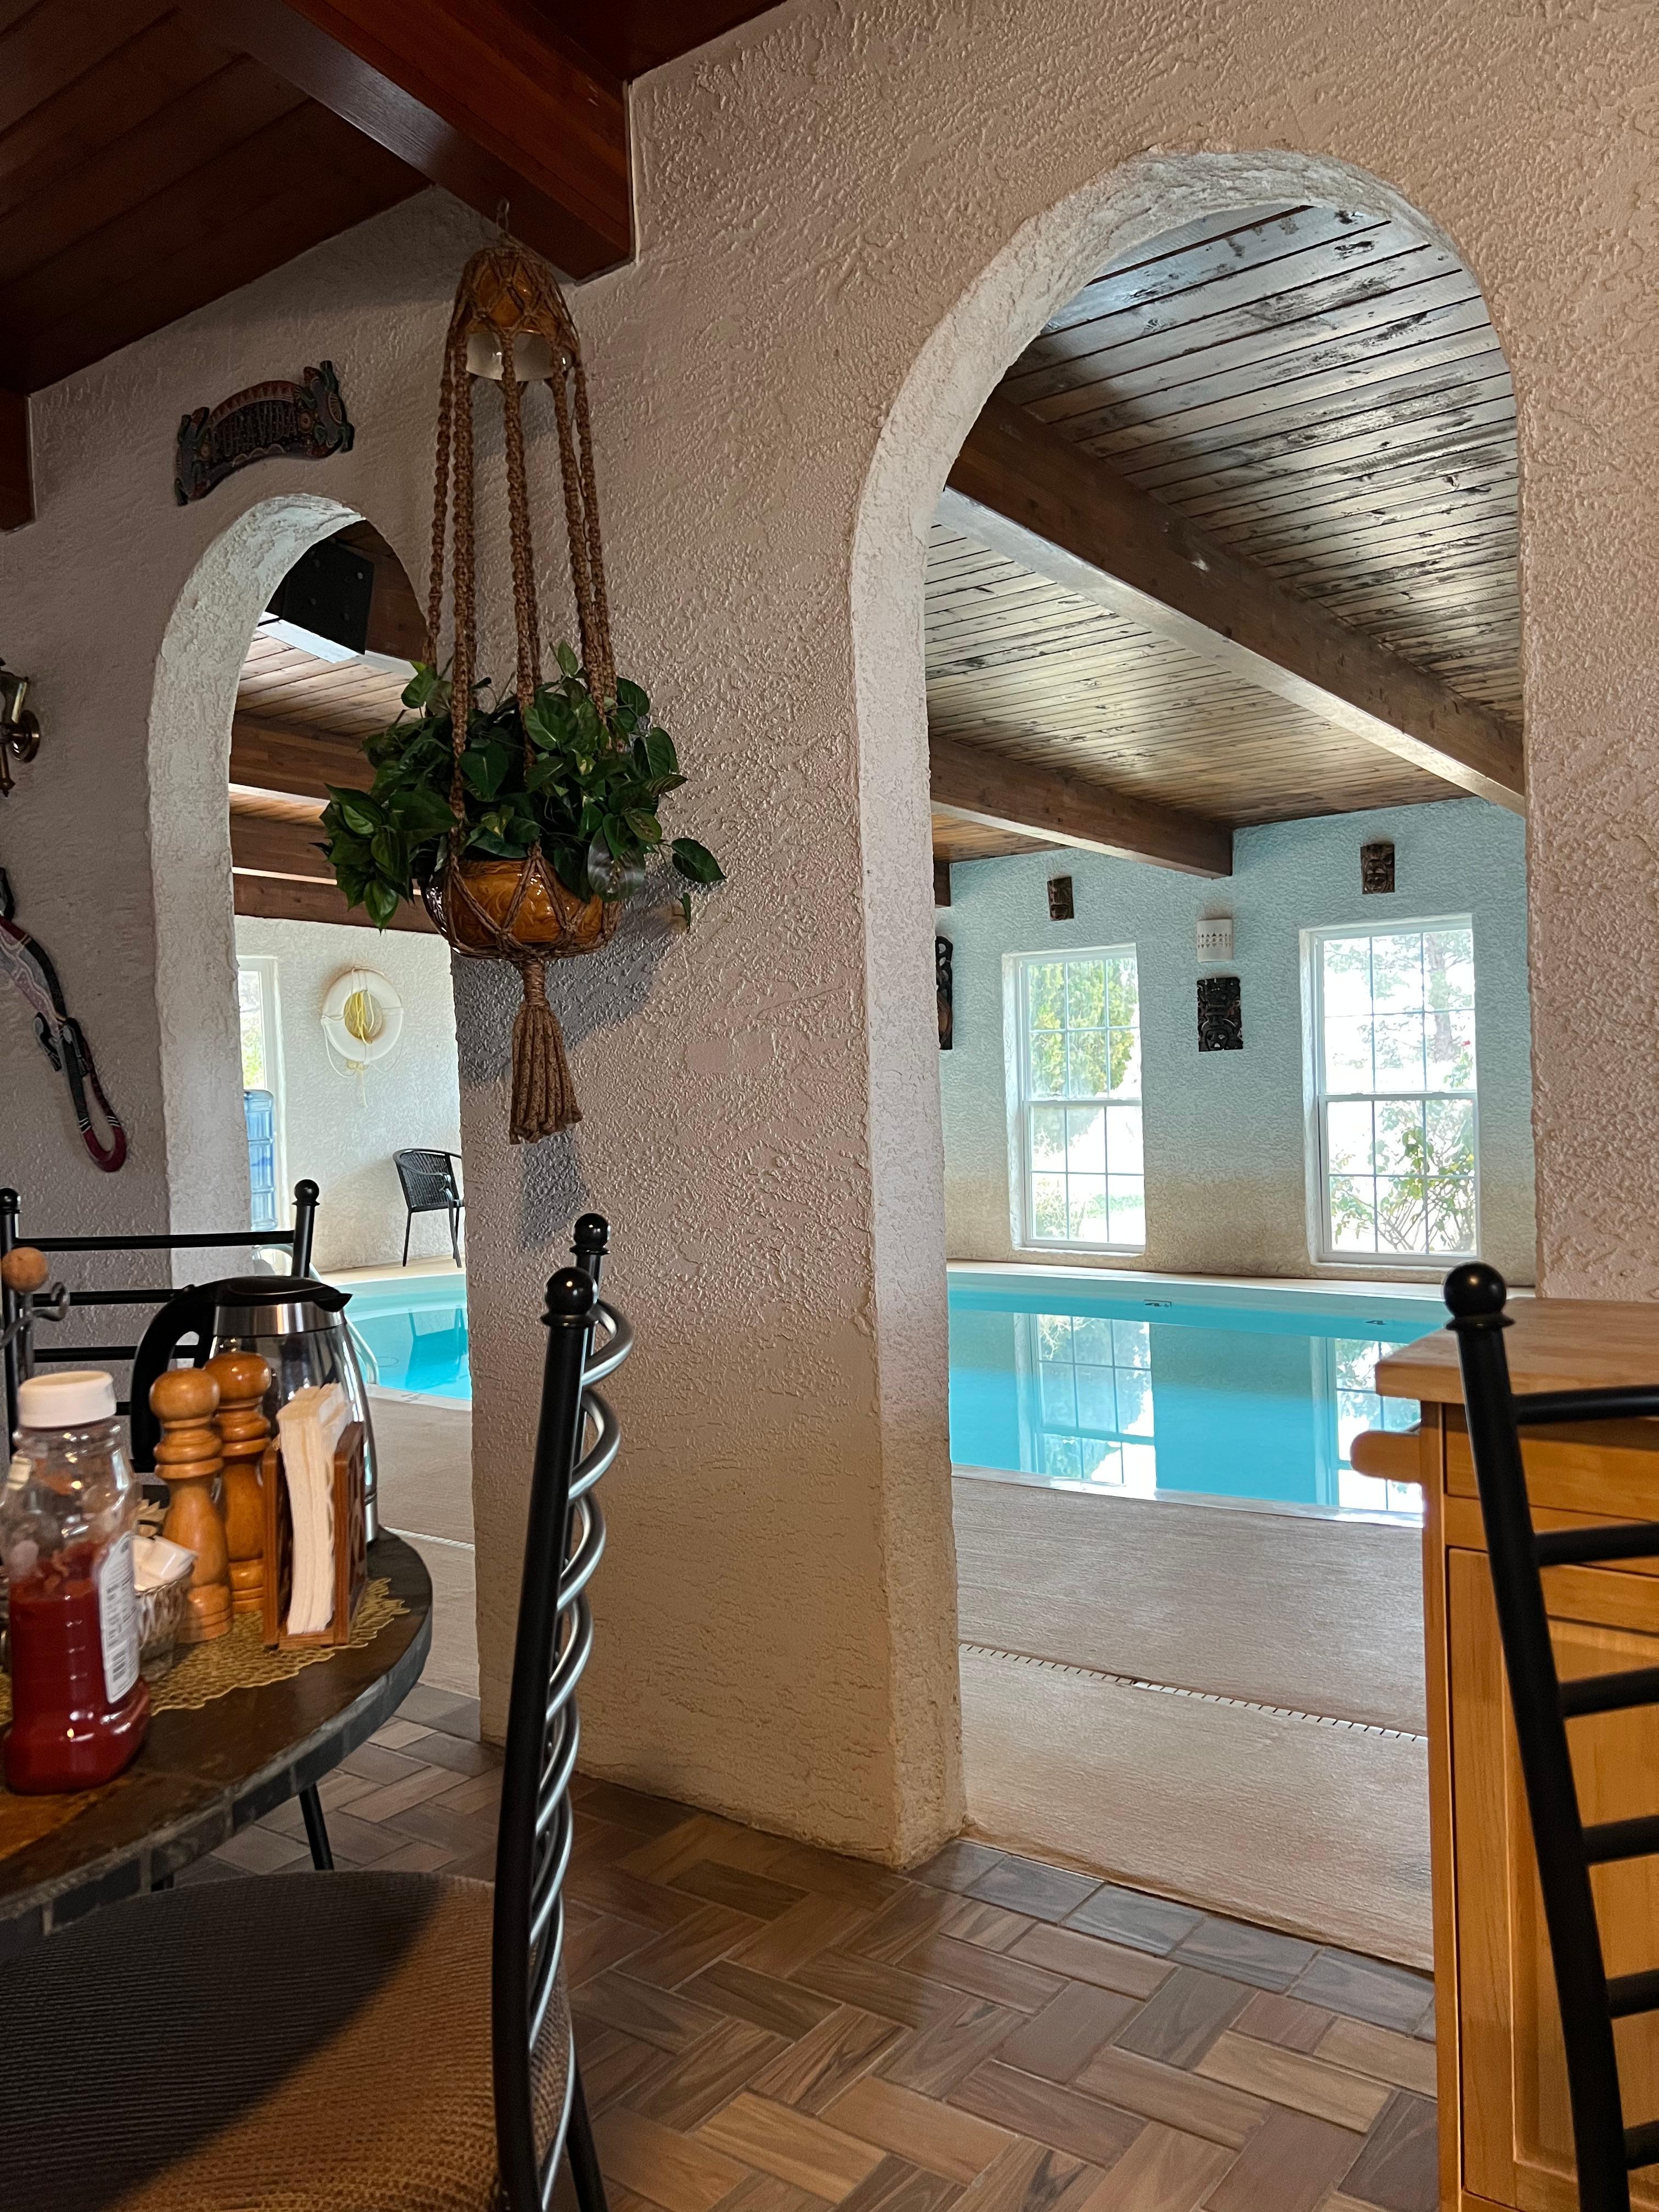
{"x":1060,"y":899}
{"x":304,"y":422}
{"x":943,"y":957}
{"x":1376,"y":867}
{"x":1220,"y":1019}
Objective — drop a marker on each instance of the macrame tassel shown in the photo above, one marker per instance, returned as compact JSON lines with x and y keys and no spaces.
{"x":543,"y":1096}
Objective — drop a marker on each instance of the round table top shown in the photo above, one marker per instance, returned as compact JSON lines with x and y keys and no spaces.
{"x":203,"y":1775}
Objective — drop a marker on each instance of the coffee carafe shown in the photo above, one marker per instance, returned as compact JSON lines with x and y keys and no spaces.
{"x":298,"y":1326}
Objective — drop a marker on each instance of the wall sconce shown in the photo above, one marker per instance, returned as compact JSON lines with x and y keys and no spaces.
{"x":19,"y":730}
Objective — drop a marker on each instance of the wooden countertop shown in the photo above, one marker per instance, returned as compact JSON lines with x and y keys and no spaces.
{"x":1554,"y":1344}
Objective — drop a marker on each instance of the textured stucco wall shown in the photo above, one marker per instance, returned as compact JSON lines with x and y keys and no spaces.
{"x":342,"y":1130}
{"x":850,"y":218}
{"x":1225,"y":1132}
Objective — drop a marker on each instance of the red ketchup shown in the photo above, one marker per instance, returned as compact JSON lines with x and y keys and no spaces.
{"x":80,"y":1708}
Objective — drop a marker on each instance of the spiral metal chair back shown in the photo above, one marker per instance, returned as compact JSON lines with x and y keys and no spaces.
{"x":575,"y":1443}
{"x":1605,"y":2150}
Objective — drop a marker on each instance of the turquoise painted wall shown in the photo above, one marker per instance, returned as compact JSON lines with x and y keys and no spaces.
{"x":1225,"y":1133}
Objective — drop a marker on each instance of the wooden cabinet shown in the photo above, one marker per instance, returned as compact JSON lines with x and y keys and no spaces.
{"x":1506,"y":2138}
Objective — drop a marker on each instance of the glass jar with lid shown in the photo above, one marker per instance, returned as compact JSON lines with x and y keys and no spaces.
{"x":80,"y":1708}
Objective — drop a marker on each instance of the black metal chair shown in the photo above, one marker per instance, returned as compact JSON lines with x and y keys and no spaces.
{"x":18,"y":1350}
{"x":1607,"y":2150}
{"x":429,"y":1186}
{"x":360,"y":2040}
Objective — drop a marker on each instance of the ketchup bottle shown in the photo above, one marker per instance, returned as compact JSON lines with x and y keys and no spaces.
{"x":80,"y":1709}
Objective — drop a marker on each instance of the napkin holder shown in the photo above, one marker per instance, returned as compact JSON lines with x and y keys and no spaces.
{"x":350,"y":1545}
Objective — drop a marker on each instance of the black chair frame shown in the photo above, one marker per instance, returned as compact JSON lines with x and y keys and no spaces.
{"x":576,"y":1442}
{"x":429,"y":1188}
{"x":1607,"y":2150}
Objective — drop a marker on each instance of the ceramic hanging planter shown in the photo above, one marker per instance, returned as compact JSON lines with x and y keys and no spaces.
{"x":522,"y":820}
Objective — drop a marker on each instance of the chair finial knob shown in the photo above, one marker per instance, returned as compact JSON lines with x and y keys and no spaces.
{"x":570,"y":1295}
{"x":1475,"y":1291}
{"x":591,"y":1233}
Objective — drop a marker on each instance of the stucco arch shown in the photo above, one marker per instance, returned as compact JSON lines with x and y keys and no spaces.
{"x":192,"y":703}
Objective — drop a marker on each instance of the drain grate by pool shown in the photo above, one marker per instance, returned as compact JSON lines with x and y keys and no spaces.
{"x":1198,"y":1697}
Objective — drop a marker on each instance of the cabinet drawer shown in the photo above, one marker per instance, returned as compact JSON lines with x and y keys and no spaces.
{"x":1609,"y":1470}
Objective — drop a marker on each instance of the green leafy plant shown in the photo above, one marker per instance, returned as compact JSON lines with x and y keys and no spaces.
{"x":587,"y":788}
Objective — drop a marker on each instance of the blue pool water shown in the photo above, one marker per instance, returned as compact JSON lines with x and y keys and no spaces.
{"x":1154,"y":1386}
{"x":416,"y":1331}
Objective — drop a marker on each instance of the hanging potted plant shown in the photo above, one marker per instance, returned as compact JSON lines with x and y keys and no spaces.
{"x":522,"y":818}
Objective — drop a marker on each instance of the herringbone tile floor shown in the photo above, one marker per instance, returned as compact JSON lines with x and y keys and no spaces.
{"x":765,"y":2027}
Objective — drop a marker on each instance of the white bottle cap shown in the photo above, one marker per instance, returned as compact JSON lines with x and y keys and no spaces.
{"x":73,"y":1399}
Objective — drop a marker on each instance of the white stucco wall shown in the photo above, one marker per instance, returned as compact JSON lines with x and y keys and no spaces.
{"x":342,"y":1130}
{"x":850,"y":218}
{"x":1226,"y":1132}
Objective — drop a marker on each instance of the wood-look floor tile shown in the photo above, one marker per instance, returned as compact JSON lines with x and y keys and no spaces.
{"x":803,"y":1866}
{"x":764,"y":2192}
{"x":993,"y":1974}
{"x":1289,"y":2164}
{"x":937,"y":2059}
{"x":1424,"y":2027}
{"x":1172,"y":2095}
{"x":1033,"y":2177}
{"x":1288,"y":2077}
{"x":776,"y":2139}
{"x":670,"y":2021}
{"x":708,"y":2075}
{"x":783,"y":2008}
{"x":1042,"y":2110}
{"x":1366,"y":1988}
{"x":459,"y":1756}
{"x":666,"y":1854}
{"x":615,"y":2065}
{"x":893,"y":1991}
{"x":958,"y":1866}
{"x":1027,"y":1885}
{"x":1162,"y":2171}
{"x":594,"y":1941}
{"x":944,"y":2141}
{"x":1130,"y":1917}
{"x":1273,"y":2019}
{"x":674,"y":1957}
{"x":896,"y":2185}
{"x":1381,"y":2052}
{"x":812,"y":2073}
{"x":1068,"y":2031}
{"x":1183,"y":2019}
{"x":608,"y":1889}
{"x":991,"y":1926}
{"x":631,"y":1808}
{"x":1257,"y":1955}
{"x":817,"y":1924}
{"x":682,"y":2174}
{"x":1397,"y":2169}
{"x":1082,"y":1958}
{"x":755,"y":1894}
{"x":901,"y":1923}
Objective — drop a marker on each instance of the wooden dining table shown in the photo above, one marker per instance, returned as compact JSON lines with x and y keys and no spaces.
{"x":203,"y":1774}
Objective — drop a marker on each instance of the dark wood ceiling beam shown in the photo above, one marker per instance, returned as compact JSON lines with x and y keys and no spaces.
{"x":975,"y":785}
{"x":477,"y":96}
{"x":265,"y":756}
{"x":16,"y":473}
{"x":286,"y":898}
{"x":1035,"y":498}
{"x":278,"y":848}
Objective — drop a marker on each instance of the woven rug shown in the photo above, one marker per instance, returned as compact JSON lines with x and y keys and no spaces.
{"x":202,"y":1672}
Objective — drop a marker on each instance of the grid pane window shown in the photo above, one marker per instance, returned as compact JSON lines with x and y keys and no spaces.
{"x":1093,"y":1399}
{"x":1080,"y":1060}
{"x":1396,"y":1080}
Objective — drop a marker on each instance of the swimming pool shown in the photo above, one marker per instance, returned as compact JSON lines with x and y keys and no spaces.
{"x":416,"y":1332}
{"x":1152,"y":1386}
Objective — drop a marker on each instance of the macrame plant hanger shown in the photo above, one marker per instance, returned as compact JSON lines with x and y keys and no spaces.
{"x":510,"y":299}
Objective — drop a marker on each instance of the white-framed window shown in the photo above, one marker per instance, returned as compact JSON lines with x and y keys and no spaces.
{"x":1394,"y":1138}
{"x":262,"y":1089}
{"x":1077,"y":1123}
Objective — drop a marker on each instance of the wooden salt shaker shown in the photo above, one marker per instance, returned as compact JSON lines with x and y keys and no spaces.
{"x":188,"y":1459}
{"x":243,"y":1431}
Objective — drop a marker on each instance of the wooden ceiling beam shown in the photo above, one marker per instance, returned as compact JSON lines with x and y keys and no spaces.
{"x":477,"y":96}
{"x":286,"y":898}
{"x":265,"y":756}
{"x":975,"y":785}
{"x":1033,"y":496}
{"x":16,"y":474}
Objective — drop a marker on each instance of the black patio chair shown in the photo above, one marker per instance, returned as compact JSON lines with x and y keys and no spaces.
{"x":429,"y":1186}
{"x":363,"y":2041}
{"x":1607,"y":2151}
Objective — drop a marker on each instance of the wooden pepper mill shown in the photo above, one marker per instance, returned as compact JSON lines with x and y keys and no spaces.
{"x":188,"y":1459}
{"x":243,"y":1431}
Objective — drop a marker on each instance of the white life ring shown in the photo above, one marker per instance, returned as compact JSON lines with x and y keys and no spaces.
{"x":362,"y":1016}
